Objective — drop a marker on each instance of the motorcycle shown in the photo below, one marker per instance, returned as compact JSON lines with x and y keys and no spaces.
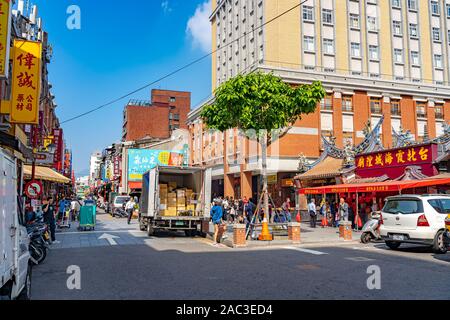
{"x":120,"y":212}
{"x":371,"y":229}
{"x":39,"y":242}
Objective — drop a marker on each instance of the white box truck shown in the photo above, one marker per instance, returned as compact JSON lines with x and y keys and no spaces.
{"x":15,"y":267}
{"x":195,"y":178}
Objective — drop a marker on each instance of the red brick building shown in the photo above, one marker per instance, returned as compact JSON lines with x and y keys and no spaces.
{"x":157,"y":118}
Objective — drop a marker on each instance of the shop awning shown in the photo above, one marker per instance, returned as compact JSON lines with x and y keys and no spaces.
{"x":45,"y":173}
{"x":135,"y":185}
{"x":387,"y":186}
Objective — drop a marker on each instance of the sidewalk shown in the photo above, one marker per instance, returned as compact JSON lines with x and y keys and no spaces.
{"x":308,"y":236}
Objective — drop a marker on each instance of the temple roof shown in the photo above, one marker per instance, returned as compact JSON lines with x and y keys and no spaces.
{"x":328,"y":168}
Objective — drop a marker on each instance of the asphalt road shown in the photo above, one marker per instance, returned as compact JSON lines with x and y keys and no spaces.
{"x":175,"y":267}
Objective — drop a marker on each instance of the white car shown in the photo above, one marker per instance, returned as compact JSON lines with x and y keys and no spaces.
{"x":416,"y":219}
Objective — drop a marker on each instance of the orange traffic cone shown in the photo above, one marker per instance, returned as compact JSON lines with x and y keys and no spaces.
{"x":265,"y":233}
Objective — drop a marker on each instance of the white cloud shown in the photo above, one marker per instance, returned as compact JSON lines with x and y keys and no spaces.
{"x":165,"y":6}
{"x":199,"y":27}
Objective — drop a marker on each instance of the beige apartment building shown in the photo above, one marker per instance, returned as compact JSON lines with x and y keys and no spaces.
{"x":374,"y":57}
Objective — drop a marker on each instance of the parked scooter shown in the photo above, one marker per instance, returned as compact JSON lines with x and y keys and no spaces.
{"x":39,"y":242}
{"x":371,"y":229}
{"x":119,"y":212}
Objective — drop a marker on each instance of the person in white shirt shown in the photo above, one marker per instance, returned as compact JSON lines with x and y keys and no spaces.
{"x":75,"y":208}
{"x":312,"y":210}
{"x":129,"y":208}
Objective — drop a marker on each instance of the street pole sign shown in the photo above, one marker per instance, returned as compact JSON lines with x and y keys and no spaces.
{"x":33,"y":189}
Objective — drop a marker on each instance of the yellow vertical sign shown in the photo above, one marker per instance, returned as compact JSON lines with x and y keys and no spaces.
{"x":5,"y":31}
{"x":26,"y":82}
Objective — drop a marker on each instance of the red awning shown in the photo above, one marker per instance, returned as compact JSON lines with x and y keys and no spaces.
{"x":135,"y":185}
{"x":375,"y":187}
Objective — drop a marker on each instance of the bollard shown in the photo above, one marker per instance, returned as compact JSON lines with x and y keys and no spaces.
{"x":239,"y":236}
{"x":345,"y":230}
{"x":294,"y":232}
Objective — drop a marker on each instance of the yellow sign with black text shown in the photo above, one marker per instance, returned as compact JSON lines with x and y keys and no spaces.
{"x":26,"y":82}
{"x":5,"y":32}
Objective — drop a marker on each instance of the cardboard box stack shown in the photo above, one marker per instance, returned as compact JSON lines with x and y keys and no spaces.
{"x":171,"y":204}
{"x":172,"y":186}
{"x":181,"y":199}
{"x":189,"y":201}
{"x":163,"y":190}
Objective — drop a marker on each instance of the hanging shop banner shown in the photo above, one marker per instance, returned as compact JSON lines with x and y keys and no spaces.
{"x":58,"y":141}
{"x":26,"y":82}
{"x":5,"y":33}
{"x":142,"y":160}
{"x":393,"y":162}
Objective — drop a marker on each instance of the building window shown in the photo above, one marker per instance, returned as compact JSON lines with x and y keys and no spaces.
{"x":439,"y":111}
{"x":374,"y":53}
{"x":308,"y":43}
{"x":328,"y":46}
{"x":412,"y":5}
{"x":415,"y":58}
{"x":327,"y":103}
{"x":436,"y":34}
{"x":435,"y":8}
{"x":355,"y":50}
{"x":395,"y":108}
{"x":413,"y":30}
{"x":438,"y":61}
{"x":398,"y":55}
{"x":372,"y":24}
{"x":347,"y":104}
{"x":327,"y":16}
{"x":354,"y":21}
{"x":172,"y":99}
{"x":397,"y":28}
{"x":375,"y":105}
{"x":308,"y":14}
{"x":396,"y":4}
{"x":448,"y":10}
{"x":421,"y":109}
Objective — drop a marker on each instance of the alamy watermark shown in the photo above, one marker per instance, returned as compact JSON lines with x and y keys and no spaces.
{"x":74,"y":19}
{"x":374,"y":280}
{"x":74,"y":280}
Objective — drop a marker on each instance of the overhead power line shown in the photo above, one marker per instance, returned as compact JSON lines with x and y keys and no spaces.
{"x":181,"y":68}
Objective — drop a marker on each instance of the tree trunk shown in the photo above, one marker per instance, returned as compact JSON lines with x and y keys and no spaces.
{"x":263,"y":143}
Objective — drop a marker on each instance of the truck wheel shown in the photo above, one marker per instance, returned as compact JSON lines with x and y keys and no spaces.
{"x":25,"y":294}
{"x":190,"y":233}
{"x":150,"y":230}
{"x":439,"y":246}
{"x":141,"y":225}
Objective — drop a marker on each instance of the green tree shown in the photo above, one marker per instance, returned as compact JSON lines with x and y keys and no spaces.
{"x":263,"y":107}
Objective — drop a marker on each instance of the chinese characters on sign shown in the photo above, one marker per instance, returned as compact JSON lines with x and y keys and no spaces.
{"x":142,"y":160}
{"x":26,"y":81}
{"x":410,"y":156}
{"x":5,"y":31}
{"x":394,"y":161}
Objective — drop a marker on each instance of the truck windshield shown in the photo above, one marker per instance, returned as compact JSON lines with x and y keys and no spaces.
{"x":403,"y":206}
{"x":121,"y":200}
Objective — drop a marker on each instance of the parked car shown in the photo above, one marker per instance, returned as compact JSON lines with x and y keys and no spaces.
{"x":118,"y":204}
{"x":447,"y":233}
{"x":415,"y":219}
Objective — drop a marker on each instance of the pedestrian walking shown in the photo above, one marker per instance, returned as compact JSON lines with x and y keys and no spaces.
{"x":286,"y":209}
{"x":49,"y":218}
{"x":343,"y":210}
{"x":129,"y":209}
{"x":75,"y":209}
{"x":312,"y":210}
{"x":216,"y":216}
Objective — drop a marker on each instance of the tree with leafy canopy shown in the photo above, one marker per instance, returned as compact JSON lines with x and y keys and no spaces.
{"x":263,"y":107}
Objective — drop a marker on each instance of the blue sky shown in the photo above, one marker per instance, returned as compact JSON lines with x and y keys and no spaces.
{"x":121,"y":46}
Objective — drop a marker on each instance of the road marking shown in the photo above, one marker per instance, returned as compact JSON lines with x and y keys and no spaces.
{"x":110,"y":238}
{"x":359,"y":259}
{"x":314,"y":252}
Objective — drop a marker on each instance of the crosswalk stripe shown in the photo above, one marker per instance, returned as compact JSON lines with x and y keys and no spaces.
{"x":314,"y":252}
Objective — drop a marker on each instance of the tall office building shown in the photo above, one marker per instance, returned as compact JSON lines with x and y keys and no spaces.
{"x":375,"y":58}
